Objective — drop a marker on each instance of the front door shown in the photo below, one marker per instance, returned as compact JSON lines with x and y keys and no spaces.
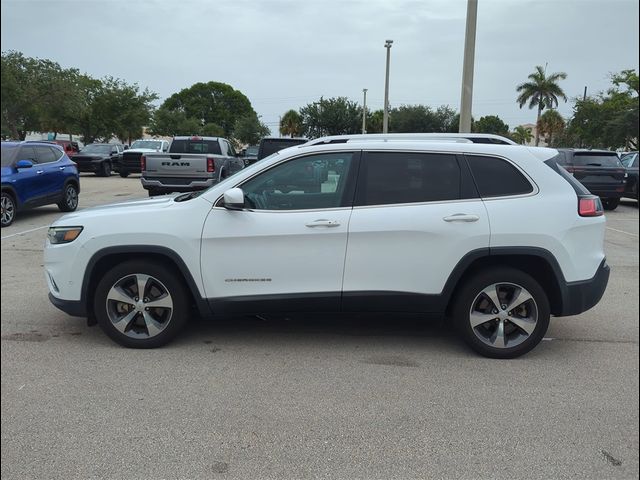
{"x":285,"y":251}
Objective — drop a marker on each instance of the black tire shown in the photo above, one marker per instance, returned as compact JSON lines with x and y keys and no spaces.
{"x":9,"y":209}
{"x":610,"y":203}
{"x":169,"y":278}
{"x":470,"y":291}
{"x":69,"y":200}
{"x":104,"y":170}
{"x":123,"y":174}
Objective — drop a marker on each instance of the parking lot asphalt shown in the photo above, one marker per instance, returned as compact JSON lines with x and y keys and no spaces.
{"x":371,"y":397}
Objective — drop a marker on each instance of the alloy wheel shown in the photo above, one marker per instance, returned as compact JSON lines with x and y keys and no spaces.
{"x":8,"y":210}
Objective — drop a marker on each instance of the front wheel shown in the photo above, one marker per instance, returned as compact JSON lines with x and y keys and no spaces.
{"x":123,"y":174}
{"x":104,"y":170}
{"x":610,"y":203}
{"x":8,"y":209}
{"x":69,"y":200}
{"x":501,"y":313}
{"x":141,"y":305}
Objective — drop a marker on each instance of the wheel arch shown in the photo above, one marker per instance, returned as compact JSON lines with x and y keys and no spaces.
{"x":105,"y":259}
{"x":12,"y":191}
{"x":537,"y":262}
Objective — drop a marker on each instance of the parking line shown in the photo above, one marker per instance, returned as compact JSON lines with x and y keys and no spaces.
{"x":622,"y":231}
{"x":26,"y":231}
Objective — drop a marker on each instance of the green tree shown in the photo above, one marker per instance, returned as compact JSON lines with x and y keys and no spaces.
{"x":541,"y":91}
{"x":522,"y":135}
{"x":374,"y":121}
{"x":491,"y":124}
{"x":291,"y":124}
{"x":333,"y":116}
{"x":249,"y":130}
{"x":551,"y":125}
{"x":205,"y":103}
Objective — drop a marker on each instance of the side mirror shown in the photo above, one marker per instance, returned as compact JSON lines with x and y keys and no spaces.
{"x":126,"y":147}
{"x":233,"y":199}
{"x":24,"y":164}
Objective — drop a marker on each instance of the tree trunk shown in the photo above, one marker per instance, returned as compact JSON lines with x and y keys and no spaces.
{"x":538,"y":124}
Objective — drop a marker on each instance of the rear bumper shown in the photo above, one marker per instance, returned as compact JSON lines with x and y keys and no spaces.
{"x":606,"y":191}
{"x":176,"y":185}
{"x":578,"y":297}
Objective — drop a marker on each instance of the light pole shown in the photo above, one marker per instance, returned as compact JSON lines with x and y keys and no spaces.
{"x":385,"y":118}
{"x":467,"y":67}
{"x":364,"y":112}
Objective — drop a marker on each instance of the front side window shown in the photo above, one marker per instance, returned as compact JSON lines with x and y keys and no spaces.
{"x":404,"y":177}
{"x":312,"y":182}
{"x":496,"y":177}
{"x":27,"y":153}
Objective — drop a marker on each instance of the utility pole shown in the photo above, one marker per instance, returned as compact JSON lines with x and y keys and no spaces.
{"x":467,"y":67}
{"x":364,"y":112}
{"x":584,"y":95}
{"x":385,"y":117}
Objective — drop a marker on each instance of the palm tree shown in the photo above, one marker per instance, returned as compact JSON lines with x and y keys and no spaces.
{"x":541,"y":91}
{"x":291,"y":124}
{"x":522,"y":135}
{"x":550,"y":125}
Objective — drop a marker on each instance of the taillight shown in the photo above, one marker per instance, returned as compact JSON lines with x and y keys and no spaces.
{"x":211,"y":166}
{"x":143,"y":163}
{"x":590,"y":206}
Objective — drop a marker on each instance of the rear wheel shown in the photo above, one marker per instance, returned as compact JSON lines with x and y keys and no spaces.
{"x":123,"y":174}
{"x":69,"y":200}
{"x":8,"y":209}
{"x":501,"y":313}
{"x":141,"y":305}
{"x":610,"y":203}
{"x":104,"y":170}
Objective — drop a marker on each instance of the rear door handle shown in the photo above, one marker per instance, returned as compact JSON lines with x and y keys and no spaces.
{"x":40,"y":172}
{"x":323,"y":223}
{"x":62,"y":168}
{"x":461,"y":217}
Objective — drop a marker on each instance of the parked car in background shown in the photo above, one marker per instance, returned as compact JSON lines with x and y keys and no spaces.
{"x":250,"y":155}
{"x":630,"y":162}
{"x":192,"y":163}
{"x":598,"y":170}
{"x":130,"y":162}
{"x":99,"y":158}
{"x":70,"y":147}
{"x":271,"y":145}
{"x":425,"y":227}
{"x":36,"y":174}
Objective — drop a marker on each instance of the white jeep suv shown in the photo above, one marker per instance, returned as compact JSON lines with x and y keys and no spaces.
{"x":496,"y":237}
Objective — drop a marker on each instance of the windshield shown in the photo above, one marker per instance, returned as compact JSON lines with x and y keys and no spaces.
{"x":252,"y":151}
{"x":150,"y":144}
{"x":596,"y":159}
{"x":9,"y":153}
{"x":97,"y":148}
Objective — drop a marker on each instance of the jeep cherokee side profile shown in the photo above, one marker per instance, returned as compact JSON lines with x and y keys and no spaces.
{"x":497,"y":237}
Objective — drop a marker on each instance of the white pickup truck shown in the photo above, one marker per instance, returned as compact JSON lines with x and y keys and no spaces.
{"x":192,"y":163}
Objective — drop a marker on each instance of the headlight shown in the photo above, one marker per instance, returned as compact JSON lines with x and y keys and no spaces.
{"x":59,"y":235}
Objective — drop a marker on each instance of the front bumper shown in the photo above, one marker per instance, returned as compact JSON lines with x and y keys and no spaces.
{"x":70,"y":307}
{"x":578,"y":297}
{"x":92,"y":166}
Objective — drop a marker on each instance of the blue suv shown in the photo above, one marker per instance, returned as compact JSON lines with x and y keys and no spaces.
{"x":36,"y":174}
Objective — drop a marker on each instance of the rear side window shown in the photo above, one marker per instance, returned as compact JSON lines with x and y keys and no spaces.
{"x":57,"y":153}
{"x":595,"y":159}
{"x":496,"y":177}
{"x":196,"y":146}
{"x":27,"y":153}
{"x":45,"y":154}
{"x":402,"y":177}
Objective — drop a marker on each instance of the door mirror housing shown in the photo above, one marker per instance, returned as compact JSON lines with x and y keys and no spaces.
{"x":233,"y":199}
{"x":24,"y":164}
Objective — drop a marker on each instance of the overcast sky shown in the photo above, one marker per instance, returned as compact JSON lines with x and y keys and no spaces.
{"x":285,"y":54}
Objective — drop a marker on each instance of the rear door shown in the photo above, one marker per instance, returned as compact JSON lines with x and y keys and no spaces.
{"x":416,"y":215}
{"x":52,"y":175}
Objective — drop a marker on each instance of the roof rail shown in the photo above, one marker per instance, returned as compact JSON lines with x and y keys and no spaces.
{"x":383,"y":137}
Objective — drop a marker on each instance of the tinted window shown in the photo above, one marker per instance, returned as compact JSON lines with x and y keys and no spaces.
{"x":8,"y":155}
{"x":269,"y":146}
{"x":317,"y":181}
{"x":398,"y":177}
{"x":596,"y":159}
{"x":45,"y":155}
{"x":27,"y":153}
{"x":497,"y":178}
{"x":57,"y":153}
{"x":195,"y":146}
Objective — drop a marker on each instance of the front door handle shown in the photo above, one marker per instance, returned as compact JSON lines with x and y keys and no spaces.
{"x":323,"y":223}
{"x":40,"y":172}
{"x":62,"y":168}
{"x":461,"y":217}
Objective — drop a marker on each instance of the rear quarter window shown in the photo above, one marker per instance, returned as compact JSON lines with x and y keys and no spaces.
{"x":496,"y":177}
